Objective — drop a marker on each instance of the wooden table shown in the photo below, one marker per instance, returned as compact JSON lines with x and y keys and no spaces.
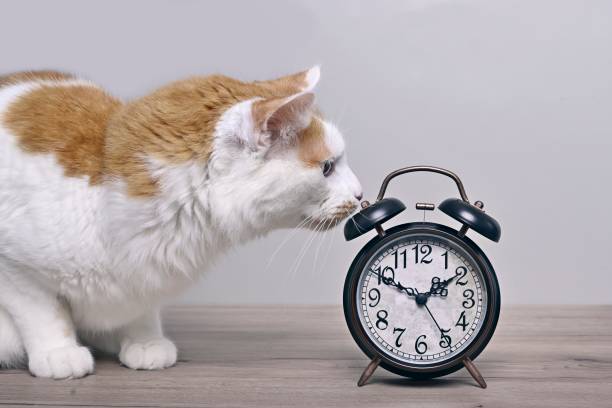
{"x":552,"y":356}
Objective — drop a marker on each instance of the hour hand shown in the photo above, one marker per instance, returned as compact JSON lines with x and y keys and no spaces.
{"x":389,"y":281}
{"x":409,"y":291}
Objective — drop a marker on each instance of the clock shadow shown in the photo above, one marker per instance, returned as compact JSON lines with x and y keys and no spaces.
{"x":429,"y":383}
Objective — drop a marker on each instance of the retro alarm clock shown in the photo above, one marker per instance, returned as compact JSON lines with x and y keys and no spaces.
{"x":421,"y":299}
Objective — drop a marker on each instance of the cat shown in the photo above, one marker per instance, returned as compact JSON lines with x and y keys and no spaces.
{"x":108,"y":209}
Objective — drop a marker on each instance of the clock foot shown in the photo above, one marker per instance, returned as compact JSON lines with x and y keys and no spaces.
{"x":367,"y":373}
{"x":469,"y":365}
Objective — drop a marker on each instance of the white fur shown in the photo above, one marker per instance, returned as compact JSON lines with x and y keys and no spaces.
{"x":89,"y":263}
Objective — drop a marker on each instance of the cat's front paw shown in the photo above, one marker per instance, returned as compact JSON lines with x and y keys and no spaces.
{"x":63,"y":362}
{"x":150,"y":355}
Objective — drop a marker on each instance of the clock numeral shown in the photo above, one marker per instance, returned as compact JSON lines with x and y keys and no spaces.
{"x":461,"y":321}
{"x":374,"y":295}
{"x":424,"y":250}
{"x":445,"y":342}
{"x":396,"y":255}
{"x":382,"y":322}
{"x":399,"y":336}
{"x":387,"y":275}
{"x":445,"y":256}
{"x":469,"y":302}
{"x":461,"y":272}
{"x":419,"y":345}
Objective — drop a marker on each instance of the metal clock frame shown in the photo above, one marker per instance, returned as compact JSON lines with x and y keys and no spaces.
{"x":371,"y":217}
{"x":351,"y":313}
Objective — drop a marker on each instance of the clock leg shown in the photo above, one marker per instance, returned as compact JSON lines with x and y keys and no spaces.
{"x":367,"y":373}
{"x":469,"y":365}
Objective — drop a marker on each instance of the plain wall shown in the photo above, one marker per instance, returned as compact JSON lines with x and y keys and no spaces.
{"x":514,"y":96}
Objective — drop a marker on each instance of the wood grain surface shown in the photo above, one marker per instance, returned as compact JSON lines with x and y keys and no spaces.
{"x":548,"y":356}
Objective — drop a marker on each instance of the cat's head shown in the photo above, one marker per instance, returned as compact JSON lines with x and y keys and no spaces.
{"x":277,"y":162}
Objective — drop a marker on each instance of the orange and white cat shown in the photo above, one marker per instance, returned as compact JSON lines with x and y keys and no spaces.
{"x":108,"y":208}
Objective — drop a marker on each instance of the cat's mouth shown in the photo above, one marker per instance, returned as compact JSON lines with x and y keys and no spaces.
{"x":332,"y":219}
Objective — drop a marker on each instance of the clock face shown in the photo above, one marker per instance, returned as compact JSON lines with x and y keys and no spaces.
{"x":421,"y":299}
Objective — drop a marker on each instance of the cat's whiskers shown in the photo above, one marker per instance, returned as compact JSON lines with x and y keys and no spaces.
{"x":290,"y":235}
{"x":307,"y":226}
{"x":296,"y":265}
{"x":310,"y":239}
{"x":318,"y":227}
{"x":324,"y":229}
{"x":333,"y":235}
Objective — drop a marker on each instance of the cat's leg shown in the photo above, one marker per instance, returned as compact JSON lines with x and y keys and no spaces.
{"x":143,"y":345}
{"x":45,"y":327}
{"x":12,"y":353}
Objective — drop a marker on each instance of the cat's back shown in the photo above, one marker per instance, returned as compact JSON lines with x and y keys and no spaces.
{"x":52,"y":130}
{"x":49,"y":113}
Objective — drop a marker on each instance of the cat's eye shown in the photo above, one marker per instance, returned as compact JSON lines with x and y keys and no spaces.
{"x":328,"y":167}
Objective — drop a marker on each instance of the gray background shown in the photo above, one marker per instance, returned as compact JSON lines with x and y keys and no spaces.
{"x":515,"y":96}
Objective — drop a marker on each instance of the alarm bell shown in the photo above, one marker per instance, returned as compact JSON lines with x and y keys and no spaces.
{"x":371,"y":216}
{"x":383,"y":209}
{"x":472,"y":216}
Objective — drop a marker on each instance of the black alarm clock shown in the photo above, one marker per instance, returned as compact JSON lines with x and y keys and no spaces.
{"x":421,"y":299}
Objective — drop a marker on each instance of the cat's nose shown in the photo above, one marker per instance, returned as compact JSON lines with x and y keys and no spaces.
{"x":359,"y":196}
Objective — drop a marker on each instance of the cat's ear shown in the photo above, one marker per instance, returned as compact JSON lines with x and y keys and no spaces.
{"x":281,"y":118}
{"x":304,"y":81}
{"x":311,"y":78}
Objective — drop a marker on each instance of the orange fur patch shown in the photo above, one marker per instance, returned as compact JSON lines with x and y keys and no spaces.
{"x":312,"y":149}
{"x":284,"y":86}
{"x":69,"y":121}
{"x":176,"y":123}
{"x":93,"y":134}
{"x":28,"y":76}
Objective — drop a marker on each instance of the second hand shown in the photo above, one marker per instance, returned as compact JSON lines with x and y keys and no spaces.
{"x":442,"y":332}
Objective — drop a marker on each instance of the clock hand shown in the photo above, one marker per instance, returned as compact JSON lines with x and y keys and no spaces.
{"x":391,"y":282}
{"x":444,"y":338}
{"x":439,"y":287}
{"x":409,"y":291}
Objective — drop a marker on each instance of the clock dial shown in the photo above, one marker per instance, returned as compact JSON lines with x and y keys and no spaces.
{"x":421,"y":299}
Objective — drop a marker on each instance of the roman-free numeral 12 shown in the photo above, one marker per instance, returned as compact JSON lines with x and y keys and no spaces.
{"x":425,"y":251}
